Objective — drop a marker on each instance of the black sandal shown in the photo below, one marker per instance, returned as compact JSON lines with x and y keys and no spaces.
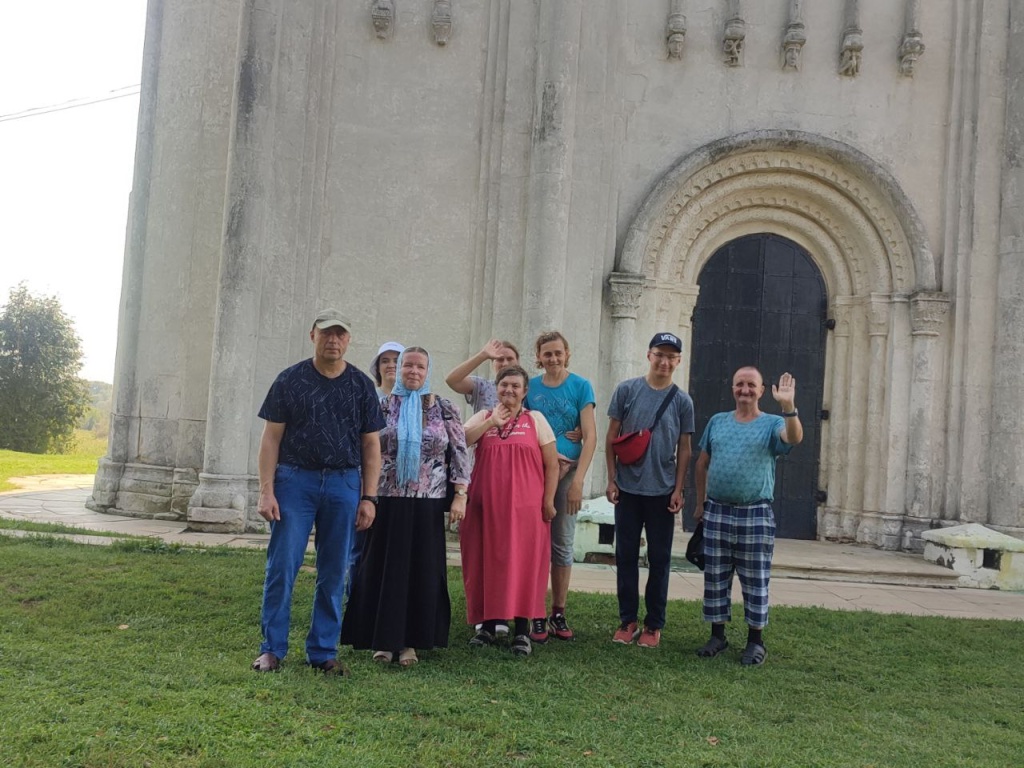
{"x":521,"y":646}
{"x":712,"y":647}
{"x":753,"y":655}
{"x":482,"y":638}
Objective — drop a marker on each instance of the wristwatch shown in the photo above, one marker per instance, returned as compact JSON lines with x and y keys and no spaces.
{"x":790,"y":414}
{"x":371,"y":499}
{"x":462,"y":492}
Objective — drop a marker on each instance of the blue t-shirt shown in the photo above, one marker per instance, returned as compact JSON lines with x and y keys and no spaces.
{"x":324,"y":418}
{"x":561,"y":406}
{"x":742,"y":468}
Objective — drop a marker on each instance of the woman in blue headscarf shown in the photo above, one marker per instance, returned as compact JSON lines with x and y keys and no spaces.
{"x":399,"y":600}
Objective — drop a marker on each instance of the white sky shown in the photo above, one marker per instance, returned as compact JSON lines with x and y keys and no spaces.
{"x":65,"y":176}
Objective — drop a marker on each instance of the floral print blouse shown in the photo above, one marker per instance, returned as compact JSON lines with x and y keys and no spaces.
{"x":442,"y":427}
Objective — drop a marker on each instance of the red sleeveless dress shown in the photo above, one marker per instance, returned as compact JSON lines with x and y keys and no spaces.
{"x":505,"y":542}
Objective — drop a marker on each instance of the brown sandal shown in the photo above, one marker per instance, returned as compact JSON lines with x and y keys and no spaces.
{"x":266,"y":662}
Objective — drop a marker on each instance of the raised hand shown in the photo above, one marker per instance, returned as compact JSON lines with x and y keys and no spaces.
{"x":785,"y":392}
{"x":492,"y":349}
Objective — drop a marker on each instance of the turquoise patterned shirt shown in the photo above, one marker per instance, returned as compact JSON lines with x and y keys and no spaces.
{"x":742,"y":468}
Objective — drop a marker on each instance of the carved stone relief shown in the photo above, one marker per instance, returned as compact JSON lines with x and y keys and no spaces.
{"x":792,"y":46}
{"x":852,"y":48}
{"x":913,"y":41}
{"x":732,"y":42}
{"x":382,"y":13}
{"x":626,"y":291}
{"x":794,"y":39}
{"x":851,"y":52}
{"x":928,"y":311}
{"x":675,"y":30}
{"x":441,"y":21}
{"x":910,"y":51}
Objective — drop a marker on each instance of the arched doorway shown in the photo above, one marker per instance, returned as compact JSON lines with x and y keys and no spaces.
{"x":763,"y":302}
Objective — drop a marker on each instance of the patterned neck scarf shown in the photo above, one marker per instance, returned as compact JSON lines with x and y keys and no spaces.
{"x":410,"y":425}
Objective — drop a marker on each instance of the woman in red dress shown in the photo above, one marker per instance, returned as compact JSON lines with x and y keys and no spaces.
{"x":506,"y":536}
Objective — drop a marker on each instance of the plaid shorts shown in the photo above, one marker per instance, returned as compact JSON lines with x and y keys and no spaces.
{"x":738,"y":538}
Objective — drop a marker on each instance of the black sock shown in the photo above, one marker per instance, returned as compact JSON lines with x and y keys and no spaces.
{"x":754,"y":636}
{"x":718,"y":630}
{"x":522,"y":626}
{"x":491,"y":626}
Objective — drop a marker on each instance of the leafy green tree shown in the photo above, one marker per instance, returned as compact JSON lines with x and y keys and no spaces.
{"x":41,"y":395}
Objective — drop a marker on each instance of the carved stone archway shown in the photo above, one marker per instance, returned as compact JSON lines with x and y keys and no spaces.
{"x":887,"y":347}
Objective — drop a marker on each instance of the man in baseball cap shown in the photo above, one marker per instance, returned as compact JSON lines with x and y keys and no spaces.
{"x":666,"y":340}
{"x":319,"y":463}
{"x":329,"y":318}
{"x":648,"y":494}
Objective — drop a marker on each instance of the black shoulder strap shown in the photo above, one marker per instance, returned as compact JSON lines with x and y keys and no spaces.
{"x":664,"y":405}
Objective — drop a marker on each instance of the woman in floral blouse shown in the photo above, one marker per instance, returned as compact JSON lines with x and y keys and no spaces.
{"x":399,"y":597}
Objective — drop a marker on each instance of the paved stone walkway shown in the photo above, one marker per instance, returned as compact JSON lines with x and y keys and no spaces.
{"x":808,"y":573}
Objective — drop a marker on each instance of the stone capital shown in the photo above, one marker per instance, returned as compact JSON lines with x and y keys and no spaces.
{"x":928,"y":311}
{"x":878,"y":314}
{"x":626,"y":290}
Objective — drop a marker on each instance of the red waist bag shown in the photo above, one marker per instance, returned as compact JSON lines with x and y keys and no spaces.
{"x":631,"y":447}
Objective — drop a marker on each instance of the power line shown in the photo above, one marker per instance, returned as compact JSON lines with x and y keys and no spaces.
{"x":117,"y":93}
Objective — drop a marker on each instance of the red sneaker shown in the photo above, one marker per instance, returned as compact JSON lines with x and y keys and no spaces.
{"x":626,"y":633}
{"x":649,"y":638}
{"x":560,"y":627}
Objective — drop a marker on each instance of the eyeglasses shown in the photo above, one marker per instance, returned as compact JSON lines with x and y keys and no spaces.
{"x":663,"y":356}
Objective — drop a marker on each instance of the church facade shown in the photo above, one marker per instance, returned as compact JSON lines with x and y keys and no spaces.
{"x":834,"y":188}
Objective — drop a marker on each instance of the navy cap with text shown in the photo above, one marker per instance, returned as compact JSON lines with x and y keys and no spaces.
{"x":666,"y":340}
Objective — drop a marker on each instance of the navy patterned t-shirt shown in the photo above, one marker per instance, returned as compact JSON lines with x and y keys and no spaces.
{"x":324,"y":418}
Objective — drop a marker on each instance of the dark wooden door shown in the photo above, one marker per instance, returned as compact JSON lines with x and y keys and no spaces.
{"x":763,"y":302}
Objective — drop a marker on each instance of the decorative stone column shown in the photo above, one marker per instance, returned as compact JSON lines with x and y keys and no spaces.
{"x":687,"y":298}
{"x":878,"y":375}
{"x":836,"y":472}
{"x":124,"y":426}
{"x":928,"y":319}
{"x":219,"y":503}
{"x":625,"y":292}
{"x":870,"y":530}
{"x":1006,"y":463}
{"x":549,"y":187}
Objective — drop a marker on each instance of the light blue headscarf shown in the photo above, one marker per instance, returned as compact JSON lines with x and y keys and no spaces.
{"x":410,"y":424}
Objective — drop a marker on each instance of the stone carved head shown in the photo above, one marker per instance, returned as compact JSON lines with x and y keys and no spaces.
{"x":675,"y":35}
{"x":441,"y":21}
{"x":383,"y":15}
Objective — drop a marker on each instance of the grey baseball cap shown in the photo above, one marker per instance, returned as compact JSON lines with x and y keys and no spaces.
{"x":328,"y":318}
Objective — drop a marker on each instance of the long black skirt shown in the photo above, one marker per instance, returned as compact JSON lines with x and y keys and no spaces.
{"x":400,"y":589}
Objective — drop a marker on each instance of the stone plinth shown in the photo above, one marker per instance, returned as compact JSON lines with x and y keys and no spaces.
{"x":595,"y":532}
{"x":980,"y":556}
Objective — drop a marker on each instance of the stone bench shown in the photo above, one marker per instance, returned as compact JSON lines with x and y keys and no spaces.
{"x":981,"y":557}
{"x":595,"y":534}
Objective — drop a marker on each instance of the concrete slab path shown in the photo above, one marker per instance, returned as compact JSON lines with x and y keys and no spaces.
{"x":807,"y":573}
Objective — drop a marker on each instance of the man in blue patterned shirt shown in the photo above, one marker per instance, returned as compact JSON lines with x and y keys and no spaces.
{"x":319,"y":463}
{"x":735,"y":481}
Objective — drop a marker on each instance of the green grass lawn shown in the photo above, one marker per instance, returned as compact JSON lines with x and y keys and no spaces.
{"x":125,"y":657}
{"x":88,"y":450}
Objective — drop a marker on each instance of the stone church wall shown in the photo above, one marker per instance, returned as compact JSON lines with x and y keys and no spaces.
{"x":451,"y":171}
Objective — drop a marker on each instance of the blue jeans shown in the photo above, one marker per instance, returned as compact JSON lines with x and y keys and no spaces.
{"x":329,"y":498}
{"x":633,"y":513}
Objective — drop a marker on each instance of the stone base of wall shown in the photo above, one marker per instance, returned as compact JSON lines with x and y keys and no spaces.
{"x":877,"y":529}
{"x":141,"y":490}
{"x":220,"y":504}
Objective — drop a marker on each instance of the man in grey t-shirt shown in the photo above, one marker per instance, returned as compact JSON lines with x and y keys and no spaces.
{"x":649,"y":493}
